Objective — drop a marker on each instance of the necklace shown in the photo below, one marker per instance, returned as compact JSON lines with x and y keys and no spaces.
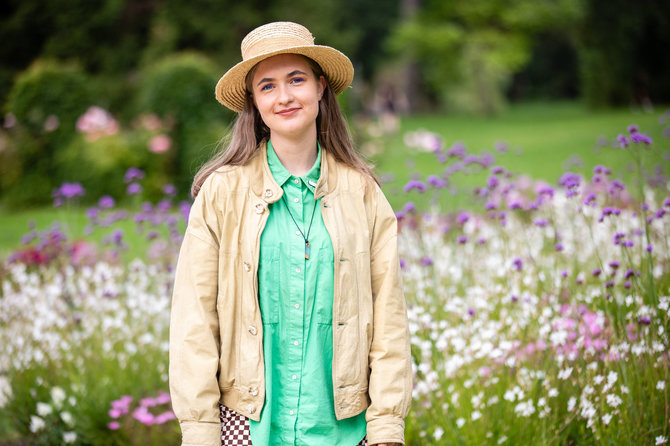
{"x":309,"y":229}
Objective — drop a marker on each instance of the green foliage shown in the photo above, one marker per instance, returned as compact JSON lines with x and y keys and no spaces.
{"x":181,"y":89}
{"x":48,"y":90}
{"x":468,"y":51}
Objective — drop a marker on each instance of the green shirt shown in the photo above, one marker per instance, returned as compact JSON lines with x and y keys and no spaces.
{"x":296,"y":301}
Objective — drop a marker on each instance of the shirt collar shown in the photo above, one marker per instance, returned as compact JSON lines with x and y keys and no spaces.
{"x":281,"y":175}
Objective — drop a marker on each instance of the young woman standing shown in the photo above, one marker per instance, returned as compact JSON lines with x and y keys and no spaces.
{"x":288,"y":323}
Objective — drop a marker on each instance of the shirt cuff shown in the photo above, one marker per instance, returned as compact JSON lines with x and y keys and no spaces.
{"x":200,"y":434}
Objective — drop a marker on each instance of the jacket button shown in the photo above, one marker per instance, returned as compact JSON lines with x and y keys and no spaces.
{"x":247,"y":266}
{"x":252,"y":330}
{"x":253,"y":391}
{"x":268,"y":193}
{"x":251,"y":409}
{"x":260,"y":208}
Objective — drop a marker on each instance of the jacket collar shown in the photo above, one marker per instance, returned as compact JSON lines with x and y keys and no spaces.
{"x":264,"y":186}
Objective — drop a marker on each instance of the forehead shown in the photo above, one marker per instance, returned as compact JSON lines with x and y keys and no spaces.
{"x":281,"y":65}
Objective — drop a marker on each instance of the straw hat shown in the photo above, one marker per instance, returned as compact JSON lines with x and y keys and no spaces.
{"x":281,"y":38}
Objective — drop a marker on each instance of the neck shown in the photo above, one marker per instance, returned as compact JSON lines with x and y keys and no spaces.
{"x":297,"y":155}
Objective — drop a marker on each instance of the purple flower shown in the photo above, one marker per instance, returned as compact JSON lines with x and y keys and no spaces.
{"x":462,"y":239}
{"x":402,"y":263}
{"x":614,"y":264}
{"x":629,"y":244}
{"x":457,"y":150}
{"x":133,"y":189}
{"x":649,"y":248}
{"x":558,"y":247}
{"x":106,"y":202}
{"x":546,"y":191}
{"x":644,"y":320}
{"x":501,"y":146}
{"x":490,"y":206}
{"x":436,"y":181}
{"x":462,"y":218}
{"x":492,"y":182}
{"x":638,"y":138}
{"x":564,"y":274}
{"x":541,"y":222}
{"x":67,"y":191}
{"x":471,"y":311}
{"x":666,"y":203}
{"x":133,"y":174}
{"x":517,"y":263}
{"x":400,"y":215}
{"x":609,"y":284}
{"x":632,"y":128}
{"x":515,"y":205}
{"x":616,"y":186}
{"x":618,"y":237}
{"x":630,"y":272}
{"x":596,"y":272}
{"x":623,"y":141}
{"x":426,"y":261}
{"x":570,"y":180}
{"x":497,"y":170}
{"x":415,"y":184}
{"x":169,"y":189}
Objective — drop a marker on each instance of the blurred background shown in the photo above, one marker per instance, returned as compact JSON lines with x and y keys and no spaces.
{"x":89,"y":89}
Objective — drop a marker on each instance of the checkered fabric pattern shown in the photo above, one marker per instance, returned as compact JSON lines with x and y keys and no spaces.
{"x":235,"y":429}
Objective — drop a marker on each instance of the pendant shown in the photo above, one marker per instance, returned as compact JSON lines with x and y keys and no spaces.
{"x":307,"y":250}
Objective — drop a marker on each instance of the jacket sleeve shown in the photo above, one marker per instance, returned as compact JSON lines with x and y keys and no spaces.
{"x":194,"y":330}
{"x":390,"y":384}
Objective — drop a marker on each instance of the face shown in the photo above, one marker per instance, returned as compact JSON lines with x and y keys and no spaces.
{"x":287,"y":93}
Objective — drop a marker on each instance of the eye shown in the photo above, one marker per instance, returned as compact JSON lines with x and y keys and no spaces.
{"x":266,"y":87}
{"x":297,"y":80}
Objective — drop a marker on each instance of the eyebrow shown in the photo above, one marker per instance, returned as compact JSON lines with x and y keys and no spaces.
{"x":291,"y":74}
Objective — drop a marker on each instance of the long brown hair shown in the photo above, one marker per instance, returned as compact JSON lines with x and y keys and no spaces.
{"x":248,"y":130}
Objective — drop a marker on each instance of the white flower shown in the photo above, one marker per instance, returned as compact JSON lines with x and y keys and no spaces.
{"x":69,"y":437}
{"x":571,"y":403}
{"x":565,"y":374}
{"x":661,"y":439}
{"x":460,"y":422}
{"x":57,"y":396}
{"x":613,"y":400}
{"x":607,"y":418}
{"x":624,"y":389}
{"x":611,"y":378}
{"x":660,"y":385}
{"x":553,"y":392}
{"x":476,"y":415}
{"x":502,"y":439}
{"x":438,"y":433}
{"x":36,"y":423}
{"x":598,"y":379}
{"x":67,"y":418}
{"x":43,"y":409}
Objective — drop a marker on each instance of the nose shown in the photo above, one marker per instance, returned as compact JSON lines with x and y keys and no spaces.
{"x":285,"y":94}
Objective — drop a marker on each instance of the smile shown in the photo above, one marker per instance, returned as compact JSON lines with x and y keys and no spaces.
{"x":288,"y":112}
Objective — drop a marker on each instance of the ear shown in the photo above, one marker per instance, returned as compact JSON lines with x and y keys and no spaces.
{"x":321,"y":86}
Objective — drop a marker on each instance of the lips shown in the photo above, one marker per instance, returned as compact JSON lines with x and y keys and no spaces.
{"x":288,"y":111}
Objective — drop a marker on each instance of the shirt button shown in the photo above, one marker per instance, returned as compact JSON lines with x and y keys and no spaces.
{"x":297,"y":270}
{"x":296,"y":342}
{"x":297,"y":233}
{"x":297,"y":200}
{"x":297,"y":306}
{"x":260,"y":208}
{"x":247,"y":266}
{"x":252,"y":330}
{"x":296,"y":181}
{"x":294,"y":377}
{"x":251,"y":409}
{"x":291,"y":412}
{"x":268,"y":193}
{"x":253,"y":391}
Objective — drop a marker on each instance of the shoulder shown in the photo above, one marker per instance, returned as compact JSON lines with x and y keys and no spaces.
{"x":230,"y":179}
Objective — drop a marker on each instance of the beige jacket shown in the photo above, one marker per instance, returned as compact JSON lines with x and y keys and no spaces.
{"x":216,"y":332}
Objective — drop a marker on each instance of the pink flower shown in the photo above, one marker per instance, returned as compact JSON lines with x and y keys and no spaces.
{"x":142,"y":415}
{"x":114,"y":413}
{"x":97,"y":122}
{"x":113,"y":425}
{"x":160,"y":143}
{"x":52,"y":123}
{"x":148,"y":402}
{"x":163,"y":398}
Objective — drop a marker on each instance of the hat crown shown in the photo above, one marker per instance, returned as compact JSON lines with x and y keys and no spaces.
{"x":273,"y":37}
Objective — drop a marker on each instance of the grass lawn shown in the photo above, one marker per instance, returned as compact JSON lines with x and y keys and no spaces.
{"x":542,"y":138}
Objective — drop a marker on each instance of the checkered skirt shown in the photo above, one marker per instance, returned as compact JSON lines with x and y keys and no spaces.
{"x":235,"y":428}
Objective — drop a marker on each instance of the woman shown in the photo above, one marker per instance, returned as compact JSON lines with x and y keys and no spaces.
{"x":288,"y":319}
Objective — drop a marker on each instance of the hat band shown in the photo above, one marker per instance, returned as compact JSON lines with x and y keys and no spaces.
{"x":265,"y":46}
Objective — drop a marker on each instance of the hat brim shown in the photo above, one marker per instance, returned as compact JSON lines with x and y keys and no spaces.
{"x":231,"y":88}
